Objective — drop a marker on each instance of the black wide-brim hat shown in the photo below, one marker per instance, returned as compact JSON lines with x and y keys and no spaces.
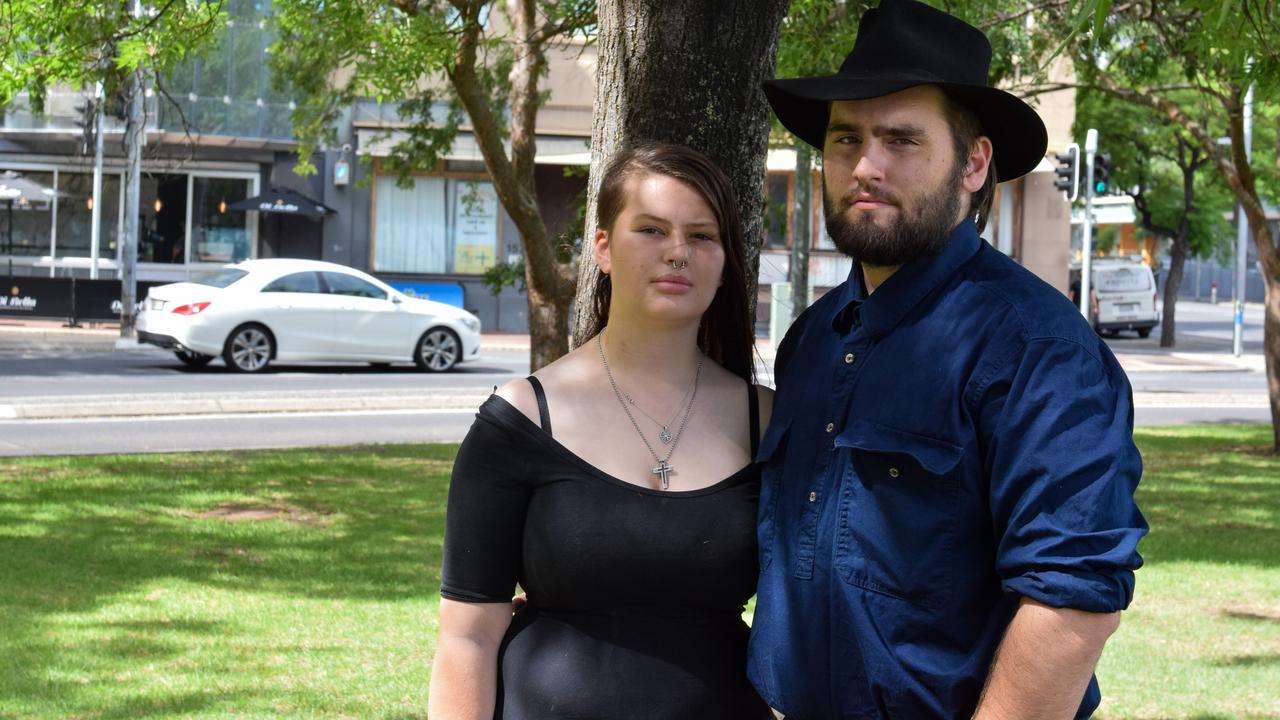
{"x":904,"y":44}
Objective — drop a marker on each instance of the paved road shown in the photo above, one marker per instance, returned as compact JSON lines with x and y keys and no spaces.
{"x":69,"y":393}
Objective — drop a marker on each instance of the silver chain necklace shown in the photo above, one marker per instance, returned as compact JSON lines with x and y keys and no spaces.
{"x":664,"y":468}
{"x":664,"y":433}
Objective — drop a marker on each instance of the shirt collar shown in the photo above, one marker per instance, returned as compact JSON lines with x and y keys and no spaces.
{"x":880,"y":312}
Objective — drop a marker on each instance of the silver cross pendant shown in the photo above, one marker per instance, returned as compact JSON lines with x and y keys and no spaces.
{"x":663,"y":469}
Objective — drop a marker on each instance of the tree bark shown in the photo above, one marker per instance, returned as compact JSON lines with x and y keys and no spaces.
{"x":802,"y":211}
{"x":689,"y":72}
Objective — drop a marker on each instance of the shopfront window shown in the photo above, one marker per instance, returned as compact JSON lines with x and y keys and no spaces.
{"x":218,"y":233}
{"x":162,"y":218}
{"x":439,"y":225}
{"x":776,"y":212}
{"x":26,"y":212}
{"x":75,"y":215}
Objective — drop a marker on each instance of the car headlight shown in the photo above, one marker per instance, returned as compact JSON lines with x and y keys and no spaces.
{"x":471,"y":322}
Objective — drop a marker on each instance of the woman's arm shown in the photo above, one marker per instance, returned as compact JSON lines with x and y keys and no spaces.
{"x":464,"y":676}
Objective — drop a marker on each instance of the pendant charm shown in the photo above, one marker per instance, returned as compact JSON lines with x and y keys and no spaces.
{"x":662,"y":469}
{"x":665,"y":436}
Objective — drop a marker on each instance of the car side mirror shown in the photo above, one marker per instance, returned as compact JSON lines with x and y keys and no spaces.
{"x":396,"y":299}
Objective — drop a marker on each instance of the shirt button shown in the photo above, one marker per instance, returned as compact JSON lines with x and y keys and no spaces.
{"x":813,"y":496}
{"x":831,"y":426}
{"x":848,"y":359}
{"x":893,"y":472}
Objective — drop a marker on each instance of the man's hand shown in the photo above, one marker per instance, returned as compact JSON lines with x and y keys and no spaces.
{"x":1045,"y":662}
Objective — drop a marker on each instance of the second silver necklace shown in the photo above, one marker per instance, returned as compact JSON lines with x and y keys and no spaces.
{"x":664,"y":468}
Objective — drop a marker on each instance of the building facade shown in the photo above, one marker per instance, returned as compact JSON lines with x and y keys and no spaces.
{"x":218,"y":132}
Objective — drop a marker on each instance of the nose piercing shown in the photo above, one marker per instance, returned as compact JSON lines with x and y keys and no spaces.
{"x":679,"y":264}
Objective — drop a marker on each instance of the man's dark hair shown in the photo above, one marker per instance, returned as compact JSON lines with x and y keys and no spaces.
{"x":727,"y":333}
{"x":965,"y":131}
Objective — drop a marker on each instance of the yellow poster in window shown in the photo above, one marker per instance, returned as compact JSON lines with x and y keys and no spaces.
{"x":472,"y":258}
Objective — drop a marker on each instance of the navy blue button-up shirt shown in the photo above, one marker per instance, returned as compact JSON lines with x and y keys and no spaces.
{"x":957,"y":440}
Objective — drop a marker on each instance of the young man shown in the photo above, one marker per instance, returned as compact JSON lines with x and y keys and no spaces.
{"x":947,"y":521}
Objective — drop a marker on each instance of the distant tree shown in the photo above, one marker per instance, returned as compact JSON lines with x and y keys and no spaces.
{"x":429,"y":54}
{"x":46,"y":44}
{"x":689,"y":72}
{"x":1221,"y":49}
{"x":1178,"y":196}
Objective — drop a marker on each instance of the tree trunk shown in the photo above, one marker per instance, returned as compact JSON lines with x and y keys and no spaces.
{"x":1271,"y":337}
{"x":549,"y":282}
{"x":800,"y":239}
{"x":1172,"y":284}
{"x":689,"y":72}
{"x":135,"y":128}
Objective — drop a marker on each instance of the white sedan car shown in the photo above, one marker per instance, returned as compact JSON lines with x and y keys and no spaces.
{"x":257,"y":311}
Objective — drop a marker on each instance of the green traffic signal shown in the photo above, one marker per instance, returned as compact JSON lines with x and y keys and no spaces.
{"x":1101,"y":173}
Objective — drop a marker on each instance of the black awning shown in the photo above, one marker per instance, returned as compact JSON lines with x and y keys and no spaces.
{"x":282,"y":201}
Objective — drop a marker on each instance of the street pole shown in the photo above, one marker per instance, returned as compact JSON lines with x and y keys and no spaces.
{"x":95,"y":232}
{"x":1086,"y":245}
{"x":1242,"y":236}
{"x":134,"y":133}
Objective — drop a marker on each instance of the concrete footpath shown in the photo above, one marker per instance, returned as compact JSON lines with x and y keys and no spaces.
{"x":27,"y":337}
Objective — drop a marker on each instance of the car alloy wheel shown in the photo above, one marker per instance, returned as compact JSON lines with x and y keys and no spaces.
{"x":192,"y":359}
{"x":248,"y":349}
{"x":438,"y":350}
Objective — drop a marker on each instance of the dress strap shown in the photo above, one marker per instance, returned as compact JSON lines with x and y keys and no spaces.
{"x":753,"y":400}
{"x":543,"y":413}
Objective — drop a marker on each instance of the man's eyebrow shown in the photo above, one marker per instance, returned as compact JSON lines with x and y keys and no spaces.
{"x":903,"y":130}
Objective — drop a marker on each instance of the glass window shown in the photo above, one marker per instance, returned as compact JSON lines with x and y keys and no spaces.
{"x":218,"y":233}
{"x":410,"y":226}
{"x":75,"y":214}
{"x":221,"y":278}
{"x":438,"y":225}
{"x":303,"y":282}
{"x":26,"y":212}
{"x":162,"y":218}
{"x":343,"y":284}
{"x":775,"y":211}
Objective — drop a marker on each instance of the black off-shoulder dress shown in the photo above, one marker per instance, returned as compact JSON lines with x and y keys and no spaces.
{"x":635,"y":595}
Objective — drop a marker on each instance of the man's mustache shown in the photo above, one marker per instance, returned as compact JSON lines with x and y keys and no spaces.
{"x":861,"y":193}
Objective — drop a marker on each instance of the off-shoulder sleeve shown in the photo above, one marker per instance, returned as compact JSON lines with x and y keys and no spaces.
{"x":484,"y":524}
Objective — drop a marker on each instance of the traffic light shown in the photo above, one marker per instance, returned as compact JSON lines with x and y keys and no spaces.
{"x":1101,"y":173}
{"x":1068,"y":172}
{"x":88,"y":122}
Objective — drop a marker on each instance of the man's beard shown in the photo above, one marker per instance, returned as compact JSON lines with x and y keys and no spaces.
{"x":920,"y":233}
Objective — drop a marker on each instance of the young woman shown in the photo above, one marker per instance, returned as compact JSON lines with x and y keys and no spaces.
{"x":616,"y":484}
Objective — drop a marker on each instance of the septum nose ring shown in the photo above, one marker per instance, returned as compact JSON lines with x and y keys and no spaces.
{"x":679,"y":264}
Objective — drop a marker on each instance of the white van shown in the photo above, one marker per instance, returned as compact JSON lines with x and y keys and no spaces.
{"x":1124,"y":297}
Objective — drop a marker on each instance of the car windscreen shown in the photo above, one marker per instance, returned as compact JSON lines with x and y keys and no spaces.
{"x":1122,"y":279}
{"x":222,"y":278}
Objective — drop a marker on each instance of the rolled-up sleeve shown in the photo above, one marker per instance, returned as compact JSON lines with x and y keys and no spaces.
{"x":1057,"y":421}
{"x":484,"y":523}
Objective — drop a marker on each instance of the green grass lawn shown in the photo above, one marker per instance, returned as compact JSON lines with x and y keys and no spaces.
{"x":304,"y":583}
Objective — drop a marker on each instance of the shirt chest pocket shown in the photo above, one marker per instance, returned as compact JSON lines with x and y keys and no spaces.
{"x":898,"y":513}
